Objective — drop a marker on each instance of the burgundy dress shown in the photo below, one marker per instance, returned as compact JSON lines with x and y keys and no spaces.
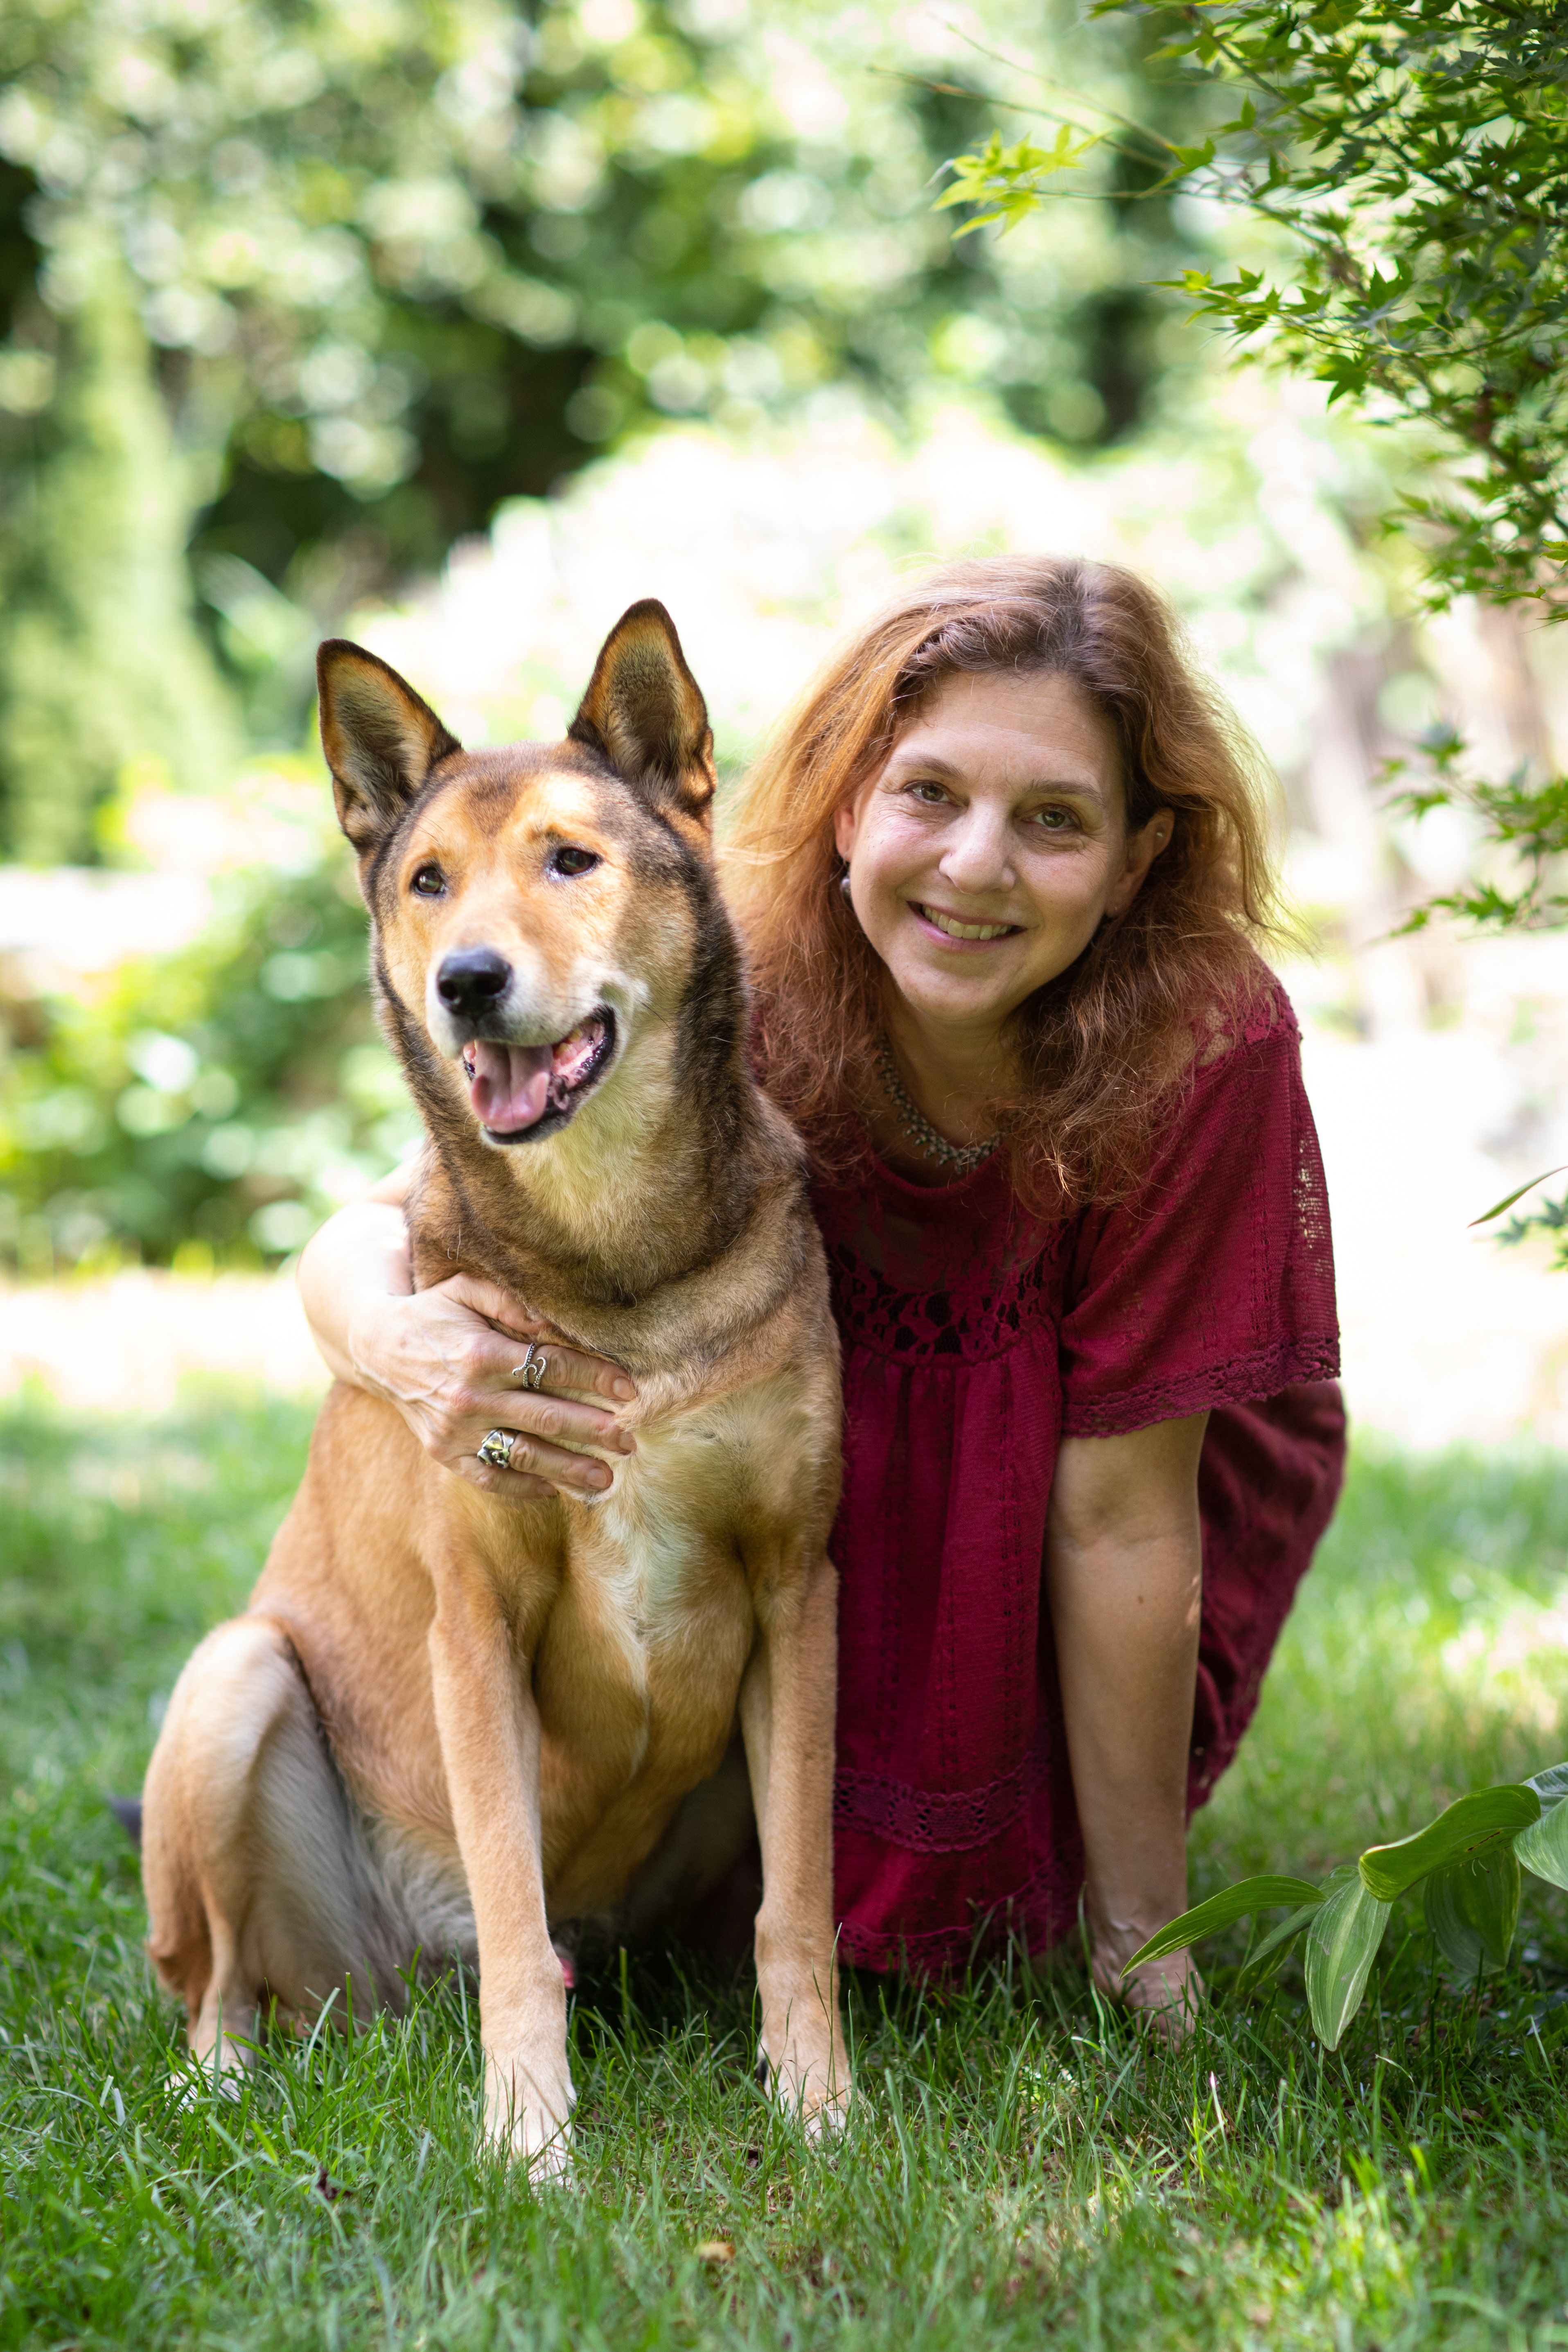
{"x":975,"y":1339}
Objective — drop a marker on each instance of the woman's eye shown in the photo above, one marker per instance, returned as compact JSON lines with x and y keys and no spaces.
{"x":429,"y":882}
{"x":932,"y":796}
{"x":1054,"y":820}
{"x":573,"y":861}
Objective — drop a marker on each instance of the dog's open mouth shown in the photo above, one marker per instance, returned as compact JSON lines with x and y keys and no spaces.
{"x":519,"y":1091}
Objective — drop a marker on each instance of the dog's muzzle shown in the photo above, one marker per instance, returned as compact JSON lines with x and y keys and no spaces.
{"x":521,"y":1093}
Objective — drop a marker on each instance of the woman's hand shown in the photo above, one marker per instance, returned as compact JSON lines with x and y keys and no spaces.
{"x":438,"y":1356}
{"x":1164,"y":1993}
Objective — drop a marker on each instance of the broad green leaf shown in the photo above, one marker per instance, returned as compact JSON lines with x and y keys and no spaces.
{"x":1222,"y":1910}
{"x":1458,"y":1941}
{"x":1487,"y":1817}
{"x":1543,"y":1847}
{"x":1550,"y":1786}
{"x":1472,"y":1908}
{"x":1269,"y":1957}
{"x":1341,"y":1943}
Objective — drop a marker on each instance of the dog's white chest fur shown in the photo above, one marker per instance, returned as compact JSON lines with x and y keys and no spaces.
{"x":640,"y":1670}
{"x":665,"y":1555}
{"x":664,"y":1515}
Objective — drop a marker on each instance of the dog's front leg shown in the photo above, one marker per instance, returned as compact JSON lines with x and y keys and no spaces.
{"x":488,"y":1725}
{"x":786,"y":1719}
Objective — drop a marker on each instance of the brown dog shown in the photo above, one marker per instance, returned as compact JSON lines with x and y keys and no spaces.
{"x":446,"y":1724}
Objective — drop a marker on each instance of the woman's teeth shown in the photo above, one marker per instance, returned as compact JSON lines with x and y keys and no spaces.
{"x":957,"y":931}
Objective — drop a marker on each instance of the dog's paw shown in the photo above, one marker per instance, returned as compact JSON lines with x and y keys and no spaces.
{"x":195,"y":2082}
{"x":529,"y":2123}
{"x":553,"y":2166}
{"x":540,"y":2144}
{"x":814,"y":2093}
{"x":827,"y":2117}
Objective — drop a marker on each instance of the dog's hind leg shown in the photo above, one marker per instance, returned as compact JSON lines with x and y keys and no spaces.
{"x":251,"y":1859}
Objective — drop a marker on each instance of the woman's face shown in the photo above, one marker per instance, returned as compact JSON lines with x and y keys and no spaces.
{"x":985,"y":852}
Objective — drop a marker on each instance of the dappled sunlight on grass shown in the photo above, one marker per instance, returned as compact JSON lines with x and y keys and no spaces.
{"x":1021,"y":2164}
{"x":1405,"y":1676}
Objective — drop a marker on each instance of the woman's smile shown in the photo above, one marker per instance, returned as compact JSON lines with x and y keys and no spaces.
{"x":955,"y":931}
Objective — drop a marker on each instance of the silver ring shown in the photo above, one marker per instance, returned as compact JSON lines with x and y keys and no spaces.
{"x":530,"y":1373}
{"x":496,"y":1448}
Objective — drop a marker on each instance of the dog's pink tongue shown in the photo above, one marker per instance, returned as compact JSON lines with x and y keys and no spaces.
{"x":508,"y":1086}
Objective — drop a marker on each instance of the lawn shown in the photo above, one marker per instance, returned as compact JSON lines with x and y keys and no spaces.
{"x":1022,"y":2169}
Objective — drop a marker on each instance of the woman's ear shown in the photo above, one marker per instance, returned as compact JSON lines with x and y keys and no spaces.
{"x":1142,"y":848}
{"x":845,"y":827}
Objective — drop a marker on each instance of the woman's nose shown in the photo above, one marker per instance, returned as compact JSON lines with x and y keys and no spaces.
{"x":976,"y":857}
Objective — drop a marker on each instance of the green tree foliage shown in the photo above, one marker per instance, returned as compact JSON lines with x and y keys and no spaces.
{"x":1417,"y":156}
{"x":221,"y":1099}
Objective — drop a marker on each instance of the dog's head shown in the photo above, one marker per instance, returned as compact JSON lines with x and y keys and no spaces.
{"x":542,"y":909}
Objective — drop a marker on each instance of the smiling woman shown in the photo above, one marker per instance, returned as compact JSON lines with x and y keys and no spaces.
{"x":1001,"y":876}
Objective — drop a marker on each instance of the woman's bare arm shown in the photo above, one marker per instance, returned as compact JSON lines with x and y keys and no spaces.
{"x":1124,"y":1578}
{"x":445,"y":1356}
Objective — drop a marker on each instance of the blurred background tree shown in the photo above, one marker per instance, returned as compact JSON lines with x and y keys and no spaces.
{"x":295,"y":295}
{"x":385,"y":268}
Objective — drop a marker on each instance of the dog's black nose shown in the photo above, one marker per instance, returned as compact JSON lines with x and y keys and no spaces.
{"x":470,"y":980}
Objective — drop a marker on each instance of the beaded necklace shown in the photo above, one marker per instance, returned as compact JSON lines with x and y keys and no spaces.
{"x":964,"y":1157}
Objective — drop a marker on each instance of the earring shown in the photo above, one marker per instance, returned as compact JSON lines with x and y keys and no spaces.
{"x":844,"y":881}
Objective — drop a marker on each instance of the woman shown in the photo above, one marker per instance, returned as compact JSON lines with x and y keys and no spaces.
{"x":1001,"y":875}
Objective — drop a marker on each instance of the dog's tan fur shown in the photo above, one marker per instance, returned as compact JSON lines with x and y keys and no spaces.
{"x":445,"y":1723}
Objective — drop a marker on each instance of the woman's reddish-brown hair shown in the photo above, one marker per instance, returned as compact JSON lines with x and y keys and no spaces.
{"x":1101,"y":1049}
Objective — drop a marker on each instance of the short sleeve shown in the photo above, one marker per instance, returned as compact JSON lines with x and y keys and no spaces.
{"x":1214,"y":1282}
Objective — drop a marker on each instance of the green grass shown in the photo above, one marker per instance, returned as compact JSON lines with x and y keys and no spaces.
{"x":1021,"y":2169}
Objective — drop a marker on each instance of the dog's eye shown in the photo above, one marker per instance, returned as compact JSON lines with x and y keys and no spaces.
{"x":429,"y":882}
{"x":573,"y":861}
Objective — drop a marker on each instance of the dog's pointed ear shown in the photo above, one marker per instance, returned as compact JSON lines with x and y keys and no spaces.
{"x":380,"y":739}
{"x":643,"y":710}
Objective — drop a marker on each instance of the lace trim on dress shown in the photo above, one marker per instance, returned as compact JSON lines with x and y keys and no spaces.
{"x":1034,"y":1916}
{"x":965,"y":1323}
{"x":1216,"y":1036}
{"x":929,"y":1820}
{"x":1245,"y":1380}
